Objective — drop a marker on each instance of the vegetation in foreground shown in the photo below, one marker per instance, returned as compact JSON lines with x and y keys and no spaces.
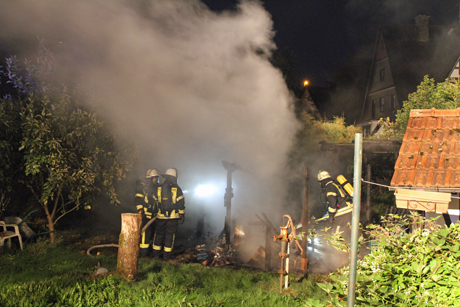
{"x":416,"y":263}
{"x":62,"y":274}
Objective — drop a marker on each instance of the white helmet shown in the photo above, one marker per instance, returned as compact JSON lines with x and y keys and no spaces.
{"x":171,"y":172}
{"x":152,"y":173}
{"x":323,"y":175}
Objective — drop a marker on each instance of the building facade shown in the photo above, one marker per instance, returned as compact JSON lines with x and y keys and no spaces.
{"x":403,"y":55}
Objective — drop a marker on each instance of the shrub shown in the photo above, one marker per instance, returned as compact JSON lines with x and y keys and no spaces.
{"x":416,"y":263}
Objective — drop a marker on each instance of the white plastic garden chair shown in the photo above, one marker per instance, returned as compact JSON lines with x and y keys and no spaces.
{"x":7,"y":233}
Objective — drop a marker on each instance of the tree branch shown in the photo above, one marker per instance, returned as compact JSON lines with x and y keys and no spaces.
{"x":57,"y":219}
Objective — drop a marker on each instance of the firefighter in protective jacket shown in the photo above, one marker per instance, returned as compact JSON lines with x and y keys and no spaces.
{"x":336,"y":197}
{"x":145,"y":201}
{"x":171,"y":210}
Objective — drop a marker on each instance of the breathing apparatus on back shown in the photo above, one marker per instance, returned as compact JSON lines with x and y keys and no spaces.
{"x":341,"y":182}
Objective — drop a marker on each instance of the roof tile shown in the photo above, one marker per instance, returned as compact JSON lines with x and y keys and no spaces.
{"x":429,"y":156}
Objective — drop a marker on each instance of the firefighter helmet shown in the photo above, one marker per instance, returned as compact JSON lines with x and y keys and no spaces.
{"x":171,"y":172}
{"x":152,"y":173}
{"x":323,"y":175}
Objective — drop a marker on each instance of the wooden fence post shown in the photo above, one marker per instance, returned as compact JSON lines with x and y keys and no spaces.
{"x":128,"y":245}
{"x":305,"y":220}
{"x":368,"y":190}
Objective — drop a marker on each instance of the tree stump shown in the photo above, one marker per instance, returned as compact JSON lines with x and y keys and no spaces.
{"x":128,"y":245}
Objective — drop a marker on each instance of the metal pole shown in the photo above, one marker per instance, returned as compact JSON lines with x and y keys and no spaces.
{"x":286,"y":278}
{"x":355,"y":218}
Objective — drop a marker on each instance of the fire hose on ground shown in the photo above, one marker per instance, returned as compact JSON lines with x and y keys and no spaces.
{"x":88,"y":252}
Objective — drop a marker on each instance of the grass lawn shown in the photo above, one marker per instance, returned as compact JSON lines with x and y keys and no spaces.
{"x":62,"y":275}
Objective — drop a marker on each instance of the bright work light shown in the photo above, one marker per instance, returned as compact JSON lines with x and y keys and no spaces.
{"x":205,"y":190}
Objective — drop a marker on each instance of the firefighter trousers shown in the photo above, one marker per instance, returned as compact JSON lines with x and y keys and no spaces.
{"x":146,"y":238}
{"x":165,"y":233}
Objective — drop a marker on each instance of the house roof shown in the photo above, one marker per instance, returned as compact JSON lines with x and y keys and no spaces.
{"x":429,"y":156}
{"x":410,"y":60}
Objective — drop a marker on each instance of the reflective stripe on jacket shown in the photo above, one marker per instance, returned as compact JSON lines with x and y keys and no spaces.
{"x":141,"y":200}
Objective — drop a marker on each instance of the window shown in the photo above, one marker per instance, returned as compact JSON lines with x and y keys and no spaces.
{"x":393,"y":103}
{"x":373,"y":109}
{"x":382,"y":74}
{"x":381,"y":104}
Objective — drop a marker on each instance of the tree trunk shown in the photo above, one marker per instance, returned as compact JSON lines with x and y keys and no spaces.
{"x":128,"y":245}
{"x":50,"y":225}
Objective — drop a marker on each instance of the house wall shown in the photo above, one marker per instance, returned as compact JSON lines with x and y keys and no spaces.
{"x":381,"y":51}
{"x":377,"y":84}
{"x":455,"y":71}
{"x":381,"y":87}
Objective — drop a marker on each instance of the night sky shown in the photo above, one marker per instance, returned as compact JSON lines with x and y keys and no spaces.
{"x":325,"y":34}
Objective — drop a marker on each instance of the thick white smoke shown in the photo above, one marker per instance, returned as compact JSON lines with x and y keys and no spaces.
{"x":192,"y":87}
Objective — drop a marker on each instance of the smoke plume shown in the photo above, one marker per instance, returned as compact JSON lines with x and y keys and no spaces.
{"x":192,"y":87}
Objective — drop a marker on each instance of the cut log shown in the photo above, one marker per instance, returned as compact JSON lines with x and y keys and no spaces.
{"x":128,"y":250}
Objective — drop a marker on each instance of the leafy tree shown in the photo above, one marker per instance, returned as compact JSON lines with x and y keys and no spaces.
{"x":429,"y":94}
{"x":69,"y":155}
{"x":9,"y":144}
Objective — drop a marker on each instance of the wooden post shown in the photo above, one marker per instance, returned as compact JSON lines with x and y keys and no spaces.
{"x":230,"y":167}
{"x":128,"y":245}
{"x":368,"y":190}
{"x":304,"y":221}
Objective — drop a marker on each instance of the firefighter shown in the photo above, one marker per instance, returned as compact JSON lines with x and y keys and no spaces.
{"x":145,"y":201}
{"x":171,"y":211}
{"x":335,"y":196}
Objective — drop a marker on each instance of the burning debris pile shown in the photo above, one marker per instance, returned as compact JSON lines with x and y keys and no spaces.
{"x":215,"y":253}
